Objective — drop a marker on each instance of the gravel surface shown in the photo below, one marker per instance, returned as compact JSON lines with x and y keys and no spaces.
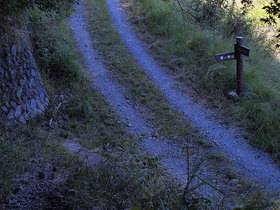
{"x":250,"y":162}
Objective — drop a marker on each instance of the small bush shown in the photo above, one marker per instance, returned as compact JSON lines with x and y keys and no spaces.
{"x":196,"y":41}
{"x":79,"y":107}
{"x":16,"y":7}
{"x":209,"y":12}
{"x":220,"y":15}
{"x":54,"y":47}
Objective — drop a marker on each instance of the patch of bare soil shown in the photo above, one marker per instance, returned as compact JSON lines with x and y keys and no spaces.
{"x":89,"y":157}
{"x":37,"y":188}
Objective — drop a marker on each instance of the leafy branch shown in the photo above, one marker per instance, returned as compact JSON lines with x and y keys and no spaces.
{"x":273,"y":12}
{"x":192,"y":174}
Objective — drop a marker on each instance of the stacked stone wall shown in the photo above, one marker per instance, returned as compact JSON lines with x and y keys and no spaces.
{"x":22,"y":92}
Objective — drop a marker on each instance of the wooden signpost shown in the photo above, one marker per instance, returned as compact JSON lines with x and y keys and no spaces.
{"x":239,"y":51}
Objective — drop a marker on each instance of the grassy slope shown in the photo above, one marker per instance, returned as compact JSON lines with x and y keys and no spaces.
{"x":189,"y":53}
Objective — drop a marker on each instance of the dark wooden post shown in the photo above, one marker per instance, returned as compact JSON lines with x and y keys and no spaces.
{"x":239,"y":66}
{"x":239,"y":51}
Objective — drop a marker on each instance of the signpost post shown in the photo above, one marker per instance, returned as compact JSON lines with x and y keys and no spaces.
{"x":239,"y":51}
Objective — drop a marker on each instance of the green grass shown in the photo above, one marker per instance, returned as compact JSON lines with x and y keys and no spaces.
{"x":188,"y":50}
{"x":54,"y":47}
{"x":129,"y":180}
{"x":19,"y":145}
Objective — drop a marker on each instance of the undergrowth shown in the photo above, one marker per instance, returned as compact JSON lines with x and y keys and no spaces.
{"x":188,"y":48}
{"x":129,"y":180}
{"x":54,"y":46}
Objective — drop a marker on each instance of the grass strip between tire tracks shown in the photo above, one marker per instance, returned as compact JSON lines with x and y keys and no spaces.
{"x":141,"y":90}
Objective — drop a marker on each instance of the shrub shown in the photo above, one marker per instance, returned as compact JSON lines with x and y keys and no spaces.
{"x":53,"y":46}
{"x":15,"y":7}
{"x":14,"y":15}
{"x":207,"y":11}
{"x":220,"y":15}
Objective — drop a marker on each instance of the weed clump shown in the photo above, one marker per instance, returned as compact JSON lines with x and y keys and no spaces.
{"x":54,"y":47}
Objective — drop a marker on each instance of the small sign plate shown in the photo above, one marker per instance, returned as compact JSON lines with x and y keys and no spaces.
{"x":242,"y":49}
{"x":225,"y":56}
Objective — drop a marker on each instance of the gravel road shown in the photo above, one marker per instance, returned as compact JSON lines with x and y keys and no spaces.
{"x":170,"y":155}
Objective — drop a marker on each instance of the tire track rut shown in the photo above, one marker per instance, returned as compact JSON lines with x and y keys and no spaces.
{"x":252,"y":163}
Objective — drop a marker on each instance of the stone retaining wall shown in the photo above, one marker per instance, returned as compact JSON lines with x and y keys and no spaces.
{"x":22,"y":92}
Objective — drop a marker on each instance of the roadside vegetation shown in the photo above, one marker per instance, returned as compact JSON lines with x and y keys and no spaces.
{"x":185,"y":36}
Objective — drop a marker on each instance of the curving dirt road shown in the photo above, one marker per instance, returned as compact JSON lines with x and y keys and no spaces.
{"x":250,"y":162}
